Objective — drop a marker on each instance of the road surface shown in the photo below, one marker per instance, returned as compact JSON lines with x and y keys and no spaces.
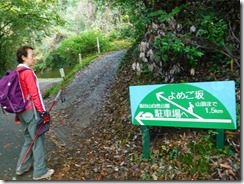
{"x":12,"y":139}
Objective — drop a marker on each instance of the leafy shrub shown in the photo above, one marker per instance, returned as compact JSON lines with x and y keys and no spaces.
{"x":67,"y":53}
{"x":171,"y":48}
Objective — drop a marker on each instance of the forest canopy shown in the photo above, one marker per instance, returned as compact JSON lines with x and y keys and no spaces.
{"x":45,"y":23}
{"x":24,"y":22}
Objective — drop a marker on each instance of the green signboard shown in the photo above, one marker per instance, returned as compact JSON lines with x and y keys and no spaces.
{"x":195,"y":105}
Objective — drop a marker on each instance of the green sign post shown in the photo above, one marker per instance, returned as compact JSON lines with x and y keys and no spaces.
{"x":195,"y":105}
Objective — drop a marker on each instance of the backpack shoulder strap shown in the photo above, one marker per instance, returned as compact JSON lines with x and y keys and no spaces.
{"x":20,"y":69}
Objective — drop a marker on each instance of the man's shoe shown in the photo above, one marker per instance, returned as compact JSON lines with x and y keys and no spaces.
{"x":47,"y":175}
{"x":22,"y":172}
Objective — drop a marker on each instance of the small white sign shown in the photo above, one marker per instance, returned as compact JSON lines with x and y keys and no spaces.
{"x":61,"y":70}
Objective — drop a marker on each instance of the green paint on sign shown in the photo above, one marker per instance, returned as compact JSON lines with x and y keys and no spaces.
{"x":182,"y":105}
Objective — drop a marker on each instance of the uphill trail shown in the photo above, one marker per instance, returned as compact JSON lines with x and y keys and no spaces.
{"x":84,"y":97}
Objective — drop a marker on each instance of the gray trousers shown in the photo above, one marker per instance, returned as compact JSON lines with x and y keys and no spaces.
{"x":38,"y":151}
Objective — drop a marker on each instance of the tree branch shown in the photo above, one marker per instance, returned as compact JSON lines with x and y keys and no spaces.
{"x":224,"y":51}
{"x":232,"y":33}
{"x":5,"y":25}
{"x":10,"y":6}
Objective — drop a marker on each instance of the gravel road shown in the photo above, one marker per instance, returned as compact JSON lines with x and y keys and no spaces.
{"x":85,"y":95}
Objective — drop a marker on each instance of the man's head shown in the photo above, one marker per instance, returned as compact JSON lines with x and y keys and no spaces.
{"x":26,"y":55}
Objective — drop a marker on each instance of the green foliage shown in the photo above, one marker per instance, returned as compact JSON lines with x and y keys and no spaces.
{"x":125,"y":31}
{"x":127,"y":16}
{"x":67,"y":53}
{"x":120,"y":44}
{"x":211,"y":36}
{"x":116,"y":45}
{"x":213,"y":31}
{"x":216,"y":23}
{"x":173,"y":153}
{"x":23,"y":22}
{"x":140,"y":27}
{"x":69,"y":77}
{"x":162,"y":15}
{"x":196,"y":164}
{"x":193,"y":157}
{"x":171,"y":48}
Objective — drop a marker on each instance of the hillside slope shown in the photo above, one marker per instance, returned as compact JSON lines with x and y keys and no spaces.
{"x":111,"y":148}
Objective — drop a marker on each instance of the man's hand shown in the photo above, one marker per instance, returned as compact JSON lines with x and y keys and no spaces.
{"x":45,"y":116}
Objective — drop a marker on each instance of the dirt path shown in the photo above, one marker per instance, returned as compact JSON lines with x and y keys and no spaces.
{"x":45,"y":83}
{"x":84,"y":97}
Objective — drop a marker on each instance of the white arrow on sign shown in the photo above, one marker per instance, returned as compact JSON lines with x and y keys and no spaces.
{"x":145,"y":116}
{"x":159,"y":96}
{"x":140,"y":117}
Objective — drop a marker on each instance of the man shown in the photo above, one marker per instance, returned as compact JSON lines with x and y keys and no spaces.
{"x":30,"y":117}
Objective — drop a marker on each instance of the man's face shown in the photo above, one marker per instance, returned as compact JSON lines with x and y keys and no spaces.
{"x":30,"y":59}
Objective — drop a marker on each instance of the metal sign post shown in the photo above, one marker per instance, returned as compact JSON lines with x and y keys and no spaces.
{"x":145,"y":142}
